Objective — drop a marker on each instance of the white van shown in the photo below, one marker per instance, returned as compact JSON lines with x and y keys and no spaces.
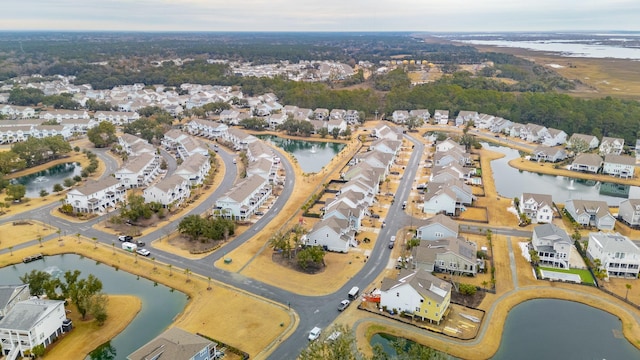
{"x":353,"y":293}
{"x":131,"y":247}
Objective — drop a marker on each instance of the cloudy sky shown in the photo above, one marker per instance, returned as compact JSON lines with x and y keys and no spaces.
{"x":325,"y":15}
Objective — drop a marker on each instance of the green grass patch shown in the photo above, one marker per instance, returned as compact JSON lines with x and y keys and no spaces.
{"x":585,"y":275}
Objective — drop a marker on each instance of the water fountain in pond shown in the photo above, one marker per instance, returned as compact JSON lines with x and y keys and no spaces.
{"x":571,"y":187}
{"x":313,"y":149}
{"x":40,"y":179}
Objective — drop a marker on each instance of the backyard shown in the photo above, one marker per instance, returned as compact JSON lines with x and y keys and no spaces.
{"x":585,"y":275}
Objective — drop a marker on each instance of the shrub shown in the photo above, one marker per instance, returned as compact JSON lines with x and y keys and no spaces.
{"x":468,"y":289}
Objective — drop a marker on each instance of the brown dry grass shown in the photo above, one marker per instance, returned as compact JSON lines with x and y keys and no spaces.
{"x":236,"y":317}
{"x":88,"y":335}
{"x":12,"y":235}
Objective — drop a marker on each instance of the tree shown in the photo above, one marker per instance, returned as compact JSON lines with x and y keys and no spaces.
{"x":81,"y":292}
{"x":36,"y":280}
{"x":170,"y":266}
{"x":323,"y":132}
{"x":414,"y":122}
{"x":102,"y":135}
{"x":628,"y":287}
{"x":343,"y":347}
{"x":535,"y":258}
{"x":310,"y":255}
{"x":16,"y":191}
{"x":468,"y":289}
{"x":192,"y":226}
{"x":58,"y":188}
{"x":335,"y":132}
{"x":43,"y":193}
{"x":97,"y":306}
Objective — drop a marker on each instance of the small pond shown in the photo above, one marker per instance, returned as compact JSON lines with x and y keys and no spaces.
{"x":559,"y":329}
{"x":511,"y":182}
{"x":160,"y":304}
{"x":312,"y":156}
{"x":46,"y":179}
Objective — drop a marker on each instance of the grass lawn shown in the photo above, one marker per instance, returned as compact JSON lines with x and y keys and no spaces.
{"x":585,"y":275}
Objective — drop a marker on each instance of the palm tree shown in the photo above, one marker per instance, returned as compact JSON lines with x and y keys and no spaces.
{"x":153,"y":259}
{"x":113,"y":246}
{"x":170,"y":266}
{"x":188,"y":273}
{"x":78,"y":235}
{"x":40,"y":240}
{"x":135,"y":257}
{"x":209,"y":286}
{"x":59,"y":232}
{"x":485,"y":283}
{"x":95,"y":241}
{"x":11,"y":250}
{"x":628,"y":286}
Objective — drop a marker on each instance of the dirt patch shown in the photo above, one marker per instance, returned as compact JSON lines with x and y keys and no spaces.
{"x":194,"y":247}
{"x":472,"y":301}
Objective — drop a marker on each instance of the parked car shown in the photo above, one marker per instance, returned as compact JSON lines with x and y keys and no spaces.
{"x":143,"y":252}
{"x":126,"y":238}
{"x":139,"y":243}
{"x":259,"y":213}
{"x":343,"y":305}
{"x":375,"y":216}
{"x":314,"y":333}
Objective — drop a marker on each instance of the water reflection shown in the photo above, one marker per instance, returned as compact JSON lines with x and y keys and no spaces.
{"x":312,"y":156}
{"x":46,"y":179}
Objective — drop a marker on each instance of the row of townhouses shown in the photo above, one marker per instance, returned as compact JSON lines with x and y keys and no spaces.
{"x":343,"y":214}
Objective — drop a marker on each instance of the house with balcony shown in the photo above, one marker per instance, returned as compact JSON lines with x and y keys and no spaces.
{"x":243,"y":199}
{"x":465,"y":117}
{"x":611,"y":146}
{"x":618,"y":255}
{"x":622,"y":166}
{"x":332,"y":234}
{"x":591,"y":213}
{"x":44,"y":131}
{"x":176,"y":344}
{"x":439,"y":200}
{"x":96,"y":196}
{"x":230,"y":116}
{"x":548,"y":154}
{"x":117,"y":118}
{"x":629,"y":212}
{"x":171,"y":191}
{"x":17,"y":112}
{"x":382,"y":131}
{"x":139,"y":171}
{"x":352,"y":117}
{"x":59,"y":115}
{"x":451,"y":255}
{"x":585,"y":162}
{"x":31,"y":323}
{"x":400,"y":116}
{"x":552,"y":244}
{"x":533,"y":133}
{"x":537,"y":207}
{"x":438,"y":227}
{"x":131,"y":144}
{"x":583,"y":140}
{"x":441,"y":117}
{"x":10,"y":295}
{"x":207,"y":128}
{"x":14,"y":134}
{"x":416,"y":293}
{"x":554,"y":137}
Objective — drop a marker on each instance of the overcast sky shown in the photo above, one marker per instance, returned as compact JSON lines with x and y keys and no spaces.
{"x":325,"y":15}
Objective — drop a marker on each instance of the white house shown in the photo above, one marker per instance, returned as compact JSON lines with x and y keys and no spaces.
{"x":10,"y":295}
{"x":195,"y":169}
{"x":622,"y":166}
{"x":96,"y":196}
{"x":207,"y":128}
{"x":438,"y":227}
{"x":450,"y":254}
{"x":170,"y":191}
{"x":591,"y":213}
{"x":611,"y":146}
{"x":552,"y":244}
{"x":333,"y":234}
{"x":117,"y":118}
{"x":242,"y":201}
{"x":537,"y":207}
{"x":629,"y":212}
{"x":618,"y":255}
{"x":31,"y":323}
{"x":138,"y":171}
{"x":441,"y":199}
{"x":586,"y":162}
{"x":554,"y":137}
{"x":589,"y":141}
{"x":441,"y":117}
{"x":400,"y":116}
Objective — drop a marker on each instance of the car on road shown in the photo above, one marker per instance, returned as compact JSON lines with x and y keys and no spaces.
{"x":392,"y":242}
{"x":125,"y":238}
{"x":143,"y":252}
{"x":343,"y":305}
{"x":259,"y":213}
{"x":314,"y":334}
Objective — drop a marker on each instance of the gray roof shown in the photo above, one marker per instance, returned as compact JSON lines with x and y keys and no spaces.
{"x":92,"y":187}
{"x":422,"y":282}
{"x":540,"y":199}
{"x":612,"y":243}
{"x":620,"y":159}
{"x":173,"y":344}
{"x":169,"y":183}
{"x":26,"y":314}
{"x":138,"y":163}
{"x":245,"y":188}
{"x":588,"y":159}
{"x":8,"y":292}
{"x":551,"y":232}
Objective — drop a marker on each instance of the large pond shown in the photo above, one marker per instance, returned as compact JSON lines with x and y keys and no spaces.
{"x":511,"y":182}
{"x":558,"y":329}
{"x":160,"y":304}
{"x":312,"y":156}
{"x":46,"y":179}
{"x":554,"y":329}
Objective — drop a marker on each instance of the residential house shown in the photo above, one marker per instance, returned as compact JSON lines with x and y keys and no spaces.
{"x":171,"y":191}
{"x":416,"y":293}
{"x":339,"y":124}
{"x":499,"y":125}
{"x":554,"y":137}
{"x":10,"y":295}
{"x":465,"y":116}
{"x":44,"y":131}
{"x":207,"y":128}
{"x":31,"y":323}
{"x":591,"y":213}
{"x":321,"y":114}
{"x":422,"y":114}
{"x":338,"y":114}
{"x":10,"y":135}
{"x":583,"y":140}
{"x":176,"y":344}
{"x":333,"y":234}
{"x":622,"y":166}
{"x":586,"y":162}
{"x":552,"y":244}
{"x":450,"y":254}
{"x":537,"y":207}
{"x":239,"y":138}
{"x":637,"y":150}
{"x":17,"y":112}
{"x":629,"y":212}
{"x":386,"y":146}
{"x":619,"y":256}
{"x":485,"y":121}
{"x":117,"y":118}
{"x":464,"y":193}
{"x":244,"y":199}
{"x":548,"y":154}
{"x":611,"y":146}
{"x":452,"y":156}
{"x":438,"y":227}
{"x":382,"y":131}
{"x":533,"y":133}
{"x":59,"y":115}
{"x":439,"y":199}
{"x":277,"y":119}
{"x":230,"y":116}
{"x":139,"y":171}
{"x":441,"y":117}
{"x":96,"y":196}
{"x":350,"y":207}
{"x":400,"y":116}
{"x":448,"y":144}
{"x":352,"y":117}
{"x":78,"y":126}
